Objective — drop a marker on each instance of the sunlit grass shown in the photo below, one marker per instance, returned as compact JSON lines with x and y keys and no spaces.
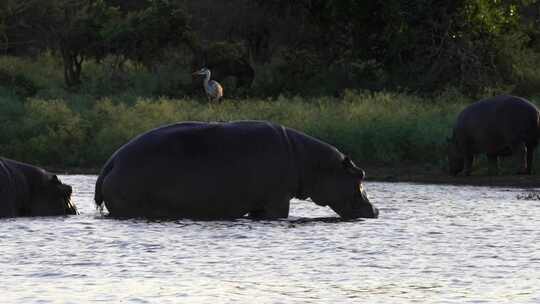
{"x":382,"y":127}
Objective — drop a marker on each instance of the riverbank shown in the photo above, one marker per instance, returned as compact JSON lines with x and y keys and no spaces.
{"x":402,"y":174}
{"x":434,"y":175}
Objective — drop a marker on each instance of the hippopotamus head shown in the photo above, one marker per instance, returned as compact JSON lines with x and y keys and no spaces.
{"x":49,"y":196}
{"x":341,"y":189}
{"x":456,"y":160}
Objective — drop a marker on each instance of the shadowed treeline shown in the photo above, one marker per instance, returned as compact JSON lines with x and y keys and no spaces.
{"x":268,"y":48}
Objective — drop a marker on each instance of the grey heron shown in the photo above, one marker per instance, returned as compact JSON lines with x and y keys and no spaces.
{"x":214,"y":91}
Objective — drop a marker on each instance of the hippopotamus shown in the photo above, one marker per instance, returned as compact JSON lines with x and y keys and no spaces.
{"x":27,"y":190}
{"x":228,"y":170}
{"x":499,"y":126}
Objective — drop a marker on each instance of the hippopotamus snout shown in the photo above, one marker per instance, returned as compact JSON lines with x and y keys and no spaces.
{"x":360,"y":207}
{"x":358,"y":211}
{"x":66,"y":191}
{"x":372,"y":212}
{"x":375,"y":212}
{"x":365,"y":210}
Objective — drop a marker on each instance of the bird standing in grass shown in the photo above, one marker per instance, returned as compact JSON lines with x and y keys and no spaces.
{"x":214,"y":91}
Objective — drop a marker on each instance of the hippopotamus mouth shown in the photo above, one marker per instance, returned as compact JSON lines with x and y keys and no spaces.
{"x":364,"y":209}
{"x":358,"y":211}
{"x":69,"y":207}
{"x":359,"y":207}
{"x":368,"y":211}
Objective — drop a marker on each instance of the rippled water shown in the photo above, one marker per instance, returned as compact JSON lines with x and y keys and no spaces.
{"x":432,"y":244}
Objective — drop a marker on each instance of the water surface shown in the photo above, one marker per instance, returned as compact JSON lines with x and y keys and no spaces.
{"x":431,"y":244}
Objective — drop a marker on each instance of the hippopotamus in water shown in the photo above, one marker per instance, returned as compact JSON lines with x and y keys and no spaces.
{"x":498,"y":126}
{"x":26,"y":190}
{"x":228,"y":170}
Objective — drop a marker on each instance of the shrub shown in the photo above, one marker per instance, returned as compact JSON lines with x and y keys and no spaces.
{"x":51,"y":134}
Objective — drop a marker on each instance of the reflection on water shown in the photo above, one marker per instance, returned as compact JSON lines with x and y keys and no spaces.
{"x":431,"y":244}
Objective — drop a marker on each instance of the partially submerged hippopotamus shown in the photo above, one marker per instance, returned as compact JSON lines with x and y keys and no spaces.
{"x":26,"y":190}
{"x":228,"y":170}
{"x":498,"y":126}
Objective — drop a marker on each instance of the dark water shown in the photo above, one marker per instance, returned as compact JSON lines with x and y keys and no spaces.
{"x":432,"y":244}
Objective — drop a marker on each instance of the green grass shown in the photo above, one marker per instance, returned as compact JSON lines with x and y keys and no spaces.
{"x":81,"y":128}
{"x":382,"y":127}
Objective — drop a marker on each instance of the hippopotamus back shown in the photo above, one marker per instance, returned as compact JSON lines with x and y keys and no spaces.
{"x":200,"y":162}
{"x":496,"y":126}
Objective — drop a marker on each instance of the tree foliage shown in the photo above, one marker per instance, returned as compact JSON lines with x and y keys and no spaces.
{"x":422,"y":45}
{"x":141,"y":35}
{"x":82,"y":29}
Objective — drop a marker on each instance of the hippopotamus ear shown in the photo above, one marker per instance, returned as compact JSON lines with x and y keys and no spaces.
{"x":349,"y":165}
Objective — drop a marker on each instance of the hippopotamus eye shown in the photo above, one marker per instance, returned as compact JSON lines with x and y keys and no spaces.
{"x":347,"y":163}
{"x":351,"y":167}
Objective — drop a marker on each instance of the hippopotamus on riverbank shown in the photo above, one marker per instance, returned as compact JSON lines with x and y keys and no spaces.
{"x":26,"y":190}
{"x":497,"y":126}
{"x":228,"y":170}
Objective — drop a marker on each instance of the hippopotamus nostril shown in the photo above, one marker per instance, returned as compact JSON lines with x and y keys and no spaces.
{"x":67,"y":190}
{"x":362,"y":174}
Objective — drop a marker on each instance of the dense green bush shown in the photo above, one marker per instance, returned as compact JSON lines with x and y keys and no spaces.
{"x":50,"y":132}
{"x":382,"y":127}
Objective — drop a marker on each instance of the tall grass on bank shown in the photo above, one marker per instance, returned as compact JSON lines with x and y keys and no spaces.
{"x":371,"y":127}
{"x":45,"y":123}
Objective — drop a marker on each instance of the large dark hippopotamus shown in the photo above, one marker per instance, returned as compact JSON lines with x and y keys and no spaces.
{"x":228,"y":170}
{"x":497,"y":126}
{"x":26,"y":190}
